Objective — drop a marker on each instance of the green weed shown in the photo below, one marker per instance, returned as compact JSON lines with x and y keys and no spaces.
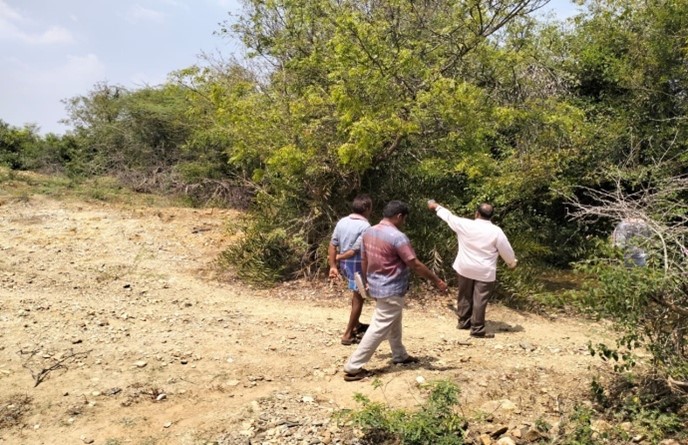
{"x":435,"y":422}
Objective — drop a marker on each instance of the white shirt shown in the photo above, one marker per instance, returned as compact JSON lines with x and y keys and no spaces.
{"x":480,"y":243}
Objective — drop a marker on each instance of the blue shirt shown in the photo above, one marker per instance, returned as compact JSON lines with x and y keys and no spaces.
{"x":347,"y":233}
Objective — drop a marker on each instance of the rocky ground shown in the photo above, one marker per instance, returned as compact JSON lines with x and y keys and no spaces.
{"x":116,"y":328}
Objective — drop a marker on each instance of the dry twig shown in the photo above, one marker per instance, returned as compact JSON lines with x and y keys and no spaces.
{"x":40,"y":375}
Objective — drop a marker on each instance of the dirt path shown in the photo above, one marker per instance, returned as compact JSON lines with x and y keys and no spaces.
{"x":172,"y":354}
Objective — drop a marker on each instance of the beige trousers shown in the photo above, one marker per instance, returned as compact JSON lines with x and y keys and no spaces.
{"x":385,"y":325}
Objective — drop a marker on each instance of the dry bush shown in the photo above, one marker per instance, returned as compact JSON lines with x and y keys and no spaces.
{"x":13,"y":409}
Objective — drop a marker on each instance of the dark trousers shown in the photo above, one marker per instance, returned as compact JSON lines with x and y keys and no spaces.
{"x":472,"y":303}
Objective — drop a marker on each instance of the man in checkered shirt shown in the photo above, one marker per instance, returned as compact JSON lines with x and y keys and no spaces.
{"x":387,"y":259}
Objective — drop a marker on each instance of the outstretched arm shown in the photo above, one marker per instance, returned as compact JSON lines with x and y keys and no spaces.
{"x":452,"y":220}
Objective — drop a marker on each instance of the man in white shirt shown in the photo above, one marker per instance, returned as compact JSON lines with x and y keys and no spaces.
{"x":480,"y":243}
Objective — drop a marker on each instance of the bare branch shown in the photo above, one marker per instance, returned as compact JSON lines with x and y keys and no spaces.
{"x":677,"y":384}
{"x":41,"y":374}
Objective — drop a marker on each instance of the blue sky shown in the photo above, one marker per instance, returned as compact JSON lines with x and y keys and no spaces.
{"x":52,"y":50}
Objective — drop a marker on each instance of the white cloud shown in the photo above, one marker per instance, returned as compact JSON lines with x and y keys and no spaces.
{"x":81,"y":71}
{"x":7,"y":13}
{"x":138,"y":13}
{"x":8,"y":18}
{"x":12,"y":24}
{"x":77,"y":74}
{"x":52,"y":35}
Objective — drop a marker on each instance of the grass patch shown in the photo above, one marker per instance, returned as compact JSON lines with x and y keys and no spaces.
{"x":22,"y":185}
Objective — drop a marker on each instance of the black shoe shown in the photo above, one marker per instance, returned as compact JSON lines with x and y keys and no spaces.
{"x":361,"y":329}
{"x":408,"y":360}
{"x":465,"y":326}
{"x":483,"y":335}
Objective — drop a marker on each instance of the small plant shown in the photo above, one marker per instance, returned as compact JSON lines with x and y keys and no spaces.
{"x":597,"y":393}
{"x":435,"y":422}
{"x":624,"y":360}
{"x":542,"y":425}
{"x":579,"y":428}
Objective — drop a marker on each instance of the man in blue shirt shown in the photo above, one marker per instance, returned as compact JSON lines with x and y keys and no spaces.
{"x":345,"y":246}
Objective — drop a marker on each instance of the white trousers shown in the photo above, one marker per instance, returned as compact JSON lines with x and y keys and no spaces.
{"x":386,"y":324}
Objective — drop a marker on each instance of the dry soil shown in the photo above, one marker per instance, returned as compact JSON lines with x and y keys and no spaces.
{"x":141,"y":340}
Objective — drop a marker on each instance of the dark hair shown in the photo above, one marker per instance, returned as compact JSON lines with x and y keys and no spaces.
{"x":485,"y":211}
{"x":361,"y":204}
{"x":394,"y":208}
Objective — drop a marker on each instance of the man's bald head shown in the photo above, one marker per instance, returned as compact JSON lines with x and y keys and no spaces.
{"x":485,"y":211}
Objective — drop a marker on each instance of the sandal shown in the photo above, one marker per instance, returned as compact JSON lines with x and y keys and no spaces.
{"x":360,"y":375}
{"x":351,"y":341}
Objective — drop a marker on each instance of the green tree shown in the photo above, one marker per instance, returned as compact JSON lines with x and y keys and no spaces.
{"x":629,"y":63}
{"x":15,"y":143}
{"x":404,"y":99}
{"x":138,"y":135}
